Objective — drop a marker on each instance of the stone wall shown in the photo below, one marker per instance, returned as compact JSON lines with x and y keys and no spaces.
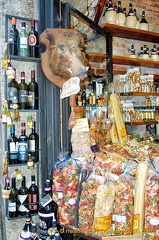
{"x":29,"y":9}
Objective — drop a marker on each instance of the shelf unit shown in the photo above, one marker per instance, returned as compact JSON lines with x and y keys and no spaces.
{"x":37,"y":111}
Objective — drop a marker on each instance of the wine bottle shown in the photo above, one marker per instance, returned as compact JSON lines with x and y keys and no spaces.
{"x":53,"y":231}
{"x":23,"y":145}
{"x":83,"y":97}
{"x":33,"y":196}
{"x":33,"y":41}
{"x":23,"y":198}
{"x":47,"y":210}
{"x":13,"y":197}
{"x":12,"y":91}
{"x":34,"y":233}
{"x":33,"y":93}
{"x":143,"y":23}
{"x":13,"y":38}
{"x":131,"y":18}
{"x":13,"y":146}
{"x":110,"y":15}
{"x":26,"y":232}
{"x":23,"y":46}
{"x":33,"y":144}
{"x":23,"y":92}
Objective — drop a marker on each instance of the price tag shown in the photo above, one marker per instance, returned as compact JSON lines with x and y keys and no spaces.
{"x":70,"y":87}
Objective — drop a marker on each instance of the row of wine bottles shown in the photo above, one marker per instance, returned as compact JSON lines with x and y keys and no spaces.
{"x":117,"y":15}
{"x":19,"y":149}
{"x":21,"y":42}
{"x":26,"y":96}
{"x":30,"y":230}
{"x":25,"y":201}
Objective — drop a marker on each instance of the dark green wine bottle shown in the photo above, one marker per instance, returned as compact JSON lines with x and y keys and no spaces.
{"x":23,"y":199}
{"x":12,"y":202}
{"x":23,"y":92}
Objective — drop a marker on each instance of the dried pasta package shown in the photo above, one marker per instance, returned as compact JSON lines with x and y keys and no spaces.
{"x":124,"y":202}
{"x":65,"y":182}
{"x":152,"y":201}
{"x":104,"y":206}
{"x":87,"y":204}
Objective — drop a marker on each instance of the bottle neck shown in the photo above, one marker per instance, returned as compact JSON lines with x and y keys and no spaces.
{"x":48,"y":191}
{"x":13,"y":183}
{"x":23,"y":182}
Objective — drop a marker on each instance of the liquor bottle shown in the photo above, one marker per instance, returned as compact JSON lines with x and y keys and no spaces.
{"x":154,"y":54}
{"x":12,"y":202}
{"x":33,"y":41}
{"x":143,"y":23}
{"x":6,"y":190}
{"x":33,"y":196}
{"x":83,"y":97}
{"x":53,"y":231}
{"x":47,"y":211}
{"x":12,"y":91}
{"x":23,"y":46}
{"x":145,"y":54}
{"x":13,"y":146}
{"x":5,"y":163}
{"x":33,"y":92}
{"x":131,"y":18}
{"x":13,"y":38}
{"x":132,"y":52}
{"x":34,"y":233}
{"x":30,"y":162}
{"x":23,"y":198}
{"x":23,"y":145}
{"x":79,"y":98}
{"x":26,"y":232}
{"x":23,"y":92}
{"x":33,"y":144}
{"x":137,"y":20}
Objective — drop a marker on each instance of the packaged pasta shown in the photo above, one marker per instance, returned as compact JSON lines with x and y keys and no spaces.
{"x":104,"y":205}
{"x":124,"y":202}
{"x":65,"y":182}
{"x":87,"y":204}
{"x":152,"y":200}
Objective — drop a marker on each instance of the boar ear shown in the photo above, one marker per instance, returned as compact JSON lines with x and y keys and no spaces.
{"x":51,"y":39}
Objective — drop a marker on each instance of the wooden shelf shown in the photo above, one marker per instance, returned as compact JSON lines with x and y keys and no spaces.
{"x":135,"y":62}
{"x":138,"y":94}
{"x":95,"y":57}
{"x":141,"y":123}
{"x":131,"y":33}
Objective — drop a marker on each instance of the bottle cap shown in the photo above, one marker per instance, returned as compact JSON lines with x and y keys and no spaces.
{"x":33,"y":178}
{"x":22,"y":74}
{"x":13,"y":21}
{"x":23,"y":24}
{"x":32,"y":22}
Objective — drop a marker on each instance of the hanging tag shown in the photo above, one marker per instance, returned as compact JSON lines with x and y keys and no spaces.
{"x":70,"y":87}
{"x":16,"y":116}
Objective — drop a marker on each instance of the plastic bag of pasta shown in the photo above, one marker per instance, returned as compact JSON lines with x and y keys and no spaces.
{"x":123,"y":210}
{"x":65,"y":182}
{"x":104,"y":205}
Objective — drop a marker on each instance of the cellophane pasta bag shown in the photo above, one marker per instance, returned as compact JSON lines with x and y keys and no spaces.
{"x":104,"y":206}
{"x":87,"y":204}
{"x":65,"y":182}
{"x":152,"y":201}
{"x":123,"y":208}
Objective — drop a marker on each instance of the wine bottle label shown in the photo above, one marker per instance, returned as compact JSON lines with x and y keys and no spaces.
{"x":23,"y":95}
{"x":32,"y":199}
{"x":31,"y":145}
{"x":32,"y":40}
{"x":23,"y":42}
{"x":22,"y":199}
{"x":25,"y":235}
{"x":12,"y":206}
{"x":31,"y":99}
{"x":13,"y":147}
{"x":23,"y":151}
{"x":46,"y":215}
{"x":45,"y":200}
{"x":12,"y":94}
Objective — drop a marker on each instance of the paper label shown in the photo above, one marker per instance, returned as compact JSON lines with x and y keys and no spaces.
{"x":119,"y":218}
{"x":70,"y":87}
{"x":136,"y":221}
{"x":81,"y":125}
{"x":154,"y":221}
{"x":103,"y":223}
